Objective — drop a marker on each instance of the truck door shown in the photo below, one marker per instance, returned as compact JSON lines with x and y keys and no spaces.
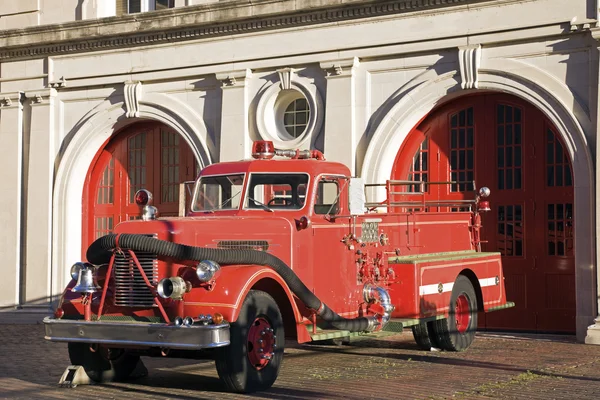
{"x":334,"y":270}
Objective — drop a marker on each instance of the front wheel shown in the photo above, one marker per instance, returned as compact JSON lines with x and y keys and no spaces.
{"x":457,"y":332}
{"x":252,"y":360}
{"x":103,"y":364}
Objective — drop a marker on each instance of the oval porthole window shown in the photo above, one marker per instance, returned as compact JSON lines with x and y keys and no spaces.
{"x":289,"y":117}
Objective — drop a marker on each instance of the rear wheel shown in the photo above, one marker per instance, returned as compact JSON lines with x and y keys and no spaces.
{"x":425,"y":336}
{"x":104,"y":364}
{"x":252,"y":360}
{"x":457,"y":332}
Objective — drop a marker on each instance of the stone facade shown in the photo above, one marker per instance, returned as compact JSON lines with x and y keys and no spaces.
{"x":370,"y":71}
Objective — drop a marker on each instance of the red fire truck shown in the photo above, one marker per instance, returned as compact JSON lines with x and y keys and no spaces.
{"x":285,"y":245}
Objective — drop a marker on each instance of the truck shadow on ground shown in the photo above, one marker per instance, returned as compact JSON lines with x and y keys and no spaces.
{"x":358,"y":349}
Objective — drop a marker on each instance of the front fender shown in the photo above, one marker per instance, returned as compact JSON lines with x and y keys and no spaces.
{"x":230,"y":289}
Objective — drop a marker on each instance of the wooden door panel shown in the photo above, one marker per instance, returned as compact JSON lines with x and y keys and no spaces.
{"x":144,"y":156}
{"x":521,"y":159}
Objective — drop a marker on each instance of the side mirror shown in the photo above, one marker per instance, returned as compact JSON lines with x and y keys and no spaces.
{"x":356,"y":191}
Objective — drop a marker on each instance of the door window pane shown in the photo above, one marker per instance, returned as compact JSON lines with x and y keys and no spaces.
{"x":558,"y":166}
{"x":509,"y":154}
{"x":420,"y":167}
{"x":106,"y":185}
{"x":510,"y":232}
{"x":169,"y":142}
{"x":462,"y":154}
{"x":137,"y":164}
{"x":559,"y":222}
{"x":103,"y":226}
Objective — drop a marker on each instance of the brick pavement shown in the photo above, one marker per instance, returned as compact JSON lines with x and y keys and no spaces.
{"x":496,"y":366}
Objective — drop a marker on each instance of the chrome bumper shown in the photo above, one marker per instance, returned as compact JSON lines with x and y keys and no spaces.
{"x":137,"y":334}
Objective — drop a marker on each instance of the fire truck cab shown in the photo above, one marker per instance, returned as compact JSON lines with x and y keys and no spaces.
{"x":285,"y":245}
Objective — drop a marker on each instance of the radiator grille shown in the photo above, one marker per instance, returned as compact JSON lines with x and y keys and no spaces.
{"x":130,"y":288}
{"x":261,"y":245}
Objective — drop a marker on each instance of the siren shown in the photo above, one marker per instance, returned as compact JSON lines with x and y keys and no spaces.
{"x":483,"y":206}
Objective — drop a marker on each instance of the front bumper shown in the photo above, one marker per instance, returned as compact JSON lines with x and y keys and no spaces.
{"x":117,"y":334}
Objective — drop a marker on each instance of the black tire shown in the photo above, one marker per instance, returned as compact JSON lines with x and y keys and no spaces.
{"x":103,"y":365}
{"x":425,"y":336}
{"x":457,"y":332}
{"x":240,"y":365}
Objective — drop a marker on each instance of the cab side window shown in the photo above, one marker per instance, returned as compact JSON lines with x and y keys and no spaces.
{"x":328,"y":196}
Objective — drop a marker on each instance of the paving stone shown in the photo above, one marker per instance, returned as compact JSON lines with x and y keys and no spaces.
{"x":496,"y":366}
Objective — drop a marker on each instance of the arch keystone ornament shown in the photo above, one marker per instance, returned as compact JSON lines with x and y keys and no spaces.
{"x":285,"y":77}
{"x":133,"y":95}
{"x":469,"y":59}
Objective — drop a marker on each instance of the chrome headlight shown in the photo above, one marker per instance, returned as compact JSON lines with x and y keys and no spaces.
{"x":173,"y":288}
{"x":207,"y":270}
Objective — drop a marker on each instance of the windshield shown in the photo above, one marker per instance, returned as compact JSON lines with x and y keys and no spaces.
{"x":222,"y":192}
{"x":276,"y":191}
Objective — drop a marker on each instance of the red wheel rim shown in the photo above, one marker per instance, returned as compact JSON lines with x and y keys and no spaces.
{"x":462,"y":313}
{"x":261,"y":343}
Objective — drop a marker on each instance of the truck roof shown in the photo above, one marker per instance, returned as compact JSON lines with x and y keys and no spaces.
{"x":310,"y":166}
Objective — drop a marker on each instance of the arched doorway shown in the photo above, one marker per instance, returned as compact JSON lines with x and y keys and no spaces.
{"x":144,"y":155}
{"x":503,"y":142}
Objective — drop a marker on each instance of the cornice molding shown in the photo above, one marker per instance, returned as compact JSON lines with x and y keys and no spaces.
{"x":196,"y":22}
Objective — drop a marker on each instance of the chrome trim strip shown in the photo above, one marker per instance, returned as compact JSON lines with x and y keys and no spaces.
{"x":138,"y":334}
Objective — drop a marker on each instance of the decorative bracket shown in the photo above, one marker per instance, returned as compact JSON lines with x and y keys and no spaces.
{"x":5,"y":102}
{"x":133,"y":95}
{"x":286,"y":76}
{"x":469,"y":59}
{"x":62,"y":82}
{"x":12,"y":99}
{"x":339,"y":68}
{"x":234,"y":78}
{"x":38,"y":97}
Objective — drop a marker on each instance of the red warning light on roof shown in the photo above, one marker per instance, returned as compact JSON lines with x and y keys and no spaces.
{"x":263,"y":150}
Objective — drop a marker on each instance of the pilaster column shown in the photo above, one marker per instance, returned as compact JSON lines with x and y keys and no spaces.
{"x":39,"y":177}
{"x":234,"y":141}
{"x":340,"y":136}
{"x":11,"y":167}
{"x":593,"y":331}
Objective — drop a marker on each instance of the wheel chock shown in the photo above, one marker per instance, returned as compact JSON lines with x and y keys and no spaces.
{"x":74,"y":375}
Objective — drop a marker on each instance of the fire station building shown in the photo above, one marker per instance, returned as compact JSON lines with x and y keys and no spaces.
{"x":101,"y":98}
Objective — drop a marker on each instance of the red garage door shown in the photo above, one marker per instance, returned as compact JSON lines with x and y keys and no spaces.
{"x":145,"y":155}
{"x":506,"y":144}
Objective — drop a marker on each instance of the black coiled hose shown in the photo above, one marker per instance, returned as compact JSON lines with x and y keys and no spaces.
{"x":100,"y":252}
